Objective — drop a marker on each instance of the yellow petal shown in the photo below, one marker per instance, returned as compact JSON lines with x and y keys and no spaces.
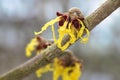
{"x":65,"y":74}
{"x":47,"y":25}
{"x":31,"y":47}
{"x":81,"y":31}
{"x":42,"y":70}
{"x":53,"y":33}
{"x":57,"y":70}
{"x":76,"y":73}
{"x":62,"y":32}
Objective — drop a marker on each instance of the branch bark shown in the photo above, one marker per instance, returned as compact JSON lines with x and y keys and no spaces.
{"x":53,"y":51}
{"x":102,"y":12}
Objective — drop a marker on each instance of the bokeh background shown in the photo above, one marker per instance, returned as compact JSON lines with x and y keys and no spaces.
{"x":20,"y":18}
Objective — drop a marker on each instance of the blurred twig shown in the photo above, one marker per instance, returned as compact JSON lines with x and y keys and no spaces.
{"x":102,"y":12}
{"x":50,"y":53}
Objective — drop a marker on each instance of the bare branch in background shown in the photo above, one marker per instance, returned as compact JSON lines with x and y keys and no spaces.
{"x":53,"y":51}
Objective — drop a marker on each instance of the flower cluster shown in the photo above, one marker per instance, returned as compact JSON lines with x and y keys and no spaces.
{"x":67,"y":67}
{"x":60,"y":68}
{"x":73,"y":27}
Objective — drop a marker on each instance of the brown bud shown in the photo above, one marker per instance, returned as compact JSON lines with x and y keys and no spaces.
{"x":42,"y":43}
{"x":69,"y":59}
{"x":75,"y":13}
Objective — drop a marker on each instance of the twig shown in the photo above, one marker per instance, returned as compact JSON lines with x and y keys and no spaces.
{"x":102,"y":12}
{"x":53,"y":51}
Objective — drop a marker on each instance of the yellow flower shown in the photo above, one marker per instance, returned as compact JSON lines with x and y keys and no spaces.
{"x":70,"y":72}
{"x":37,"y":44}
{"x":67,"y":73}
{"x":74,"y":28}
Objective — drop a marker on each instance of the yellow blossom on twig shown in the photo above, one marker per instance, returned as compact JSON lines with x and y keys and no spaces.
{"x":37,"y":44}
{"x":67,"y":73}
{"x":74,"y":28}
{"x":71,"y":72}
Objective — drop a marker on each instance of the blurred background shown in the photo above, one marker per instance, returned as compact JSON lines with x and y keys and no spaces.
{"x":20,"y":18}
